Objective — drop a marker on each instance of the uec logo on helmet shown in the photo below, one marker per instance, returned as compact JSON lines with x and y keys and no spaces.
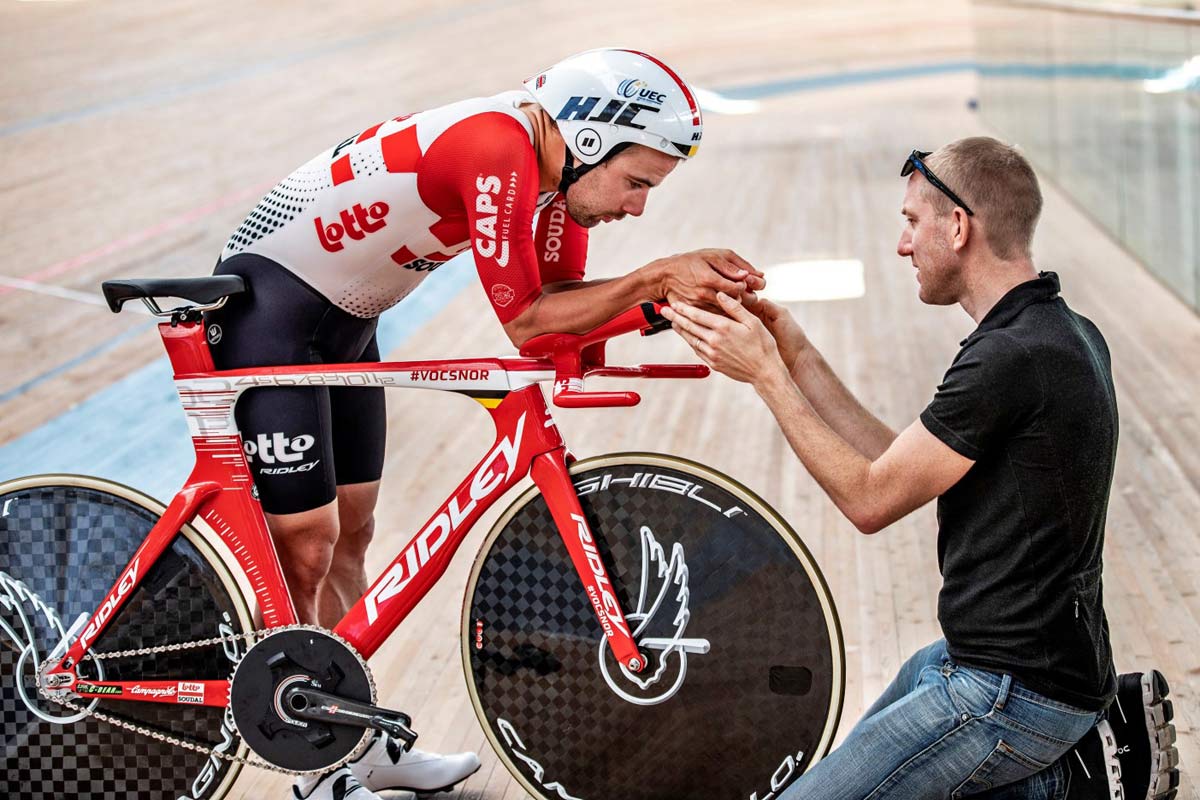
{"x":632,"y":87}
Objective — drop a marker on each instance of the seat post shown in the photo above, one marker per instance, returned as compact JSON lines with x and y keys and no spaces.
{"x":186,"y":347}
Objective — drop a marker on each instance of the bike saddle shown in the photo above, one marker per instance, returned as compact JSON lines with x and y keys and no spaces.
{"x":205,"y":291}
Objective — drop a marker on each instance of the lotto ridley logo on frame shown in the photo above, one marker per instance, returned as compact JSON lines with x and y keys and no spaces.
{"x":278,"y":454}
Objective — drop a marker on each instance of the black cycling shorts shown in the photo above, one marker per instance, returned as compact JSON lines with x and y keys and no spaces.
{"x":301,"y":443}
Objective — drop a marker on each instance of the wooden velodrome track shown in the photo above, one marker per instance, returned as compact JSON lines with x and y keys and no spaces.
{"x":135,"y":137}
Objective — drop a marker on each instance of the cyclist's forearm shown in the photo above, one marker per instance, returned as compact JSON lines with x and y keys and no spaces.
{"x":838,"y":407}
{"x":579,"y":306}
{"x":570,"y":286}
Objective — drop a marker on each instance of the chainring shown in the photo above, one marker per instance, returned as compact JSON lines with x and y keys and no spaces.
{"x":280,"y":660}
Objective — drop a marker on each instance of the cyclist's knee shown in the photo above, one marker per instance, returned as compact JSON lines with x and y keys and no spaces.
{"x":356,"y":508}
{"x":305,"y":542}
{"x":353,"y":540}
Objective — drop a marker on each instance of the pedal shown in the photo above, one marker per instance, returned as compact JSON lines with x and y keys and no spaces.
{"x":306,"y":702}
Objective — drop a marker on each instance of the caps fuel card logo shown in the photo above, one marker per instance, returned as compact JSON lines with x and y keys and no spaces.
{"x":495,"y":211}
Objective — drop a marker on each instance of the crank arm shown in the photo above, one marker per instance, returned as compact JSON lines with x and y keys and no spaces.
{"x":308,"y":703}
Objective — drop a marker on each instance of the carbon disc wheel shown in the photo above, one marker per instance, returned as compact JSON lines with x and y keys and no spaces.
{"x":746,"y":677}
{"x":63,"y":541}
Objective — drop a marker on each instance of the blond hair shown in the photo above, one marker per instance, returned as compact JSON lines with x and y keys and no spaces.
{"x":999,"y":185}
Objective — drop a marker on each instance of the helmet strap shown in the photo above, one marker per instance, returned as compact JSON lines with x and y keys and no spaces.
{"x":570,"y":172}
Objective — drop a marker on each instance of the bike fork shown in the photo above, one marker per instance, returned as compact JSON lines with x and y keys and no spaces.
{"x":550,"y":473}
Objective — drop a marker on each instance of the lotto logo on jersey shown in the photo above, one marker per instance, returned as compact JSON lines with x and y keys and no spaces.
{"x":355,"y":222}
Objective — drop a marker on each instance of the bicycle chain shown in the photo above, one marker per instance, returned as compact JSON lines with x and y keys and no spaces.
{"x":188,"y":744}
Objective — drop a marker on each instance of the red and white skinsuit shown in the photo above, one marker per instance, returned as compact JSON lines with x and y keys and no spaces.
{"x":366,"y":221}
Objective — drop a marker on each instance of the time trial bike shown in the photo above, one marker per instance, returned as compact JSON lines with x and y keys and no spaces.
{"x":635,"y":625}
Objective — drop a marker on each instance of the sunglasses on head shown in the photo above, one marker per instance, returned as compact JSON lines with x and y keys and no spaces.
{"x":914,"y":162}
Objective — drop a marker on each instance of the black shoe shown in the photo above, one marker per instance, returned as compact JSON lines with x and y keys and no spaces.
{"x":1141,"y":721}
{"x":1093,"y":770}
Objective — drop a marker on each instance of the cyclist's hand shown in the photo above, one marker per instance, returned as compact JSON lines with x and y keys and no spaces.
{"x":738,"y":345}
{"x":696,"y":277}
{"x":788,"y":335}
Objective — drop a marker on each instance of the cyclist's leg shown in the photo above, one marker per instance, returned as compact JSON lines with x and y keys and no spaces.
{"x":346,"y":580}
{"x":286,"y":431}
{"x":304,"y":542}
{"x":359,"y":423}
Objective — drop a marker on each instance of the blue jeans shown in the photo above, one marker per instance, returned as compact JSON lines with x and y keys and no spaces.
{"x":942,"y":730}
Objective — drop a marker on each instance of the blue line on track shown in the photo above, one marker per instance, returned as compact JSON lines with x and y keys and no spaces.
{"x":85,"y":356}
{"x":831,"y":80}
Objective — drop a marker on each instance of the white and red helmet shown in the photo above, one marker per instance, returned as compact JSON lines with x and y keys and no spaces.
{"x":608,"y":97}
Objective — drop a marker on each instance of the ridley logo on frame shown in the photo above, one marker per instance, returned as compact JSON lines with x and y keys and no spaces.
{"x":602,"y":599}
{"x":416,"y":555}
{"x":124,"y":586}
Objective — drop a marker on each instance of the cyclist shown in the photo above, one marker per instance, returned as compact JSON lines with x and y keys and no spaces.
{"x":357,"y":228}
{"x":1018,"y":446}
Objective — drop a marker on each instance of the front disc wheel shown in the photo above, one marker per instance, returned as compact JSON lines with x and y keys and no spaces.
{"x":745,"y":679}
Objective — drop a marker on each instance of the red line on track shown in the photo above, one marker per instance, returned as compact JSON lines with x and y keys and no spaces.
{"x":116,"y":246}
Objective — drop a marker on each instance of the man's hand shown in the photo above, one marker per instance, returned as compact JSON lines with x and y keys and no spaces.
{"x":789,"y":336}
{"x":695,"y":278}
{"x":738,"y":345}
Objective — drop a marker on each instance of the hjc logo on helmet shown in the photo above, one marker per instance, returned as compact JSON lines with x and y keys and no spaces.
{"x":356,"y":222}
{"x":615,"y":111}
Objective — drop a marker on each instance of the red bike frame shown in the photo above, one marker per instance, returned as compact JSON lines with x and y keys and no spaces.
{"x":220,"y":488}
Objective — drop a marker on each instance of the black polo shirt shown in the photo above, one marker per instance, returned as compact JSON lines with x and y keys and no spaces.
{"x":1030,"y":399}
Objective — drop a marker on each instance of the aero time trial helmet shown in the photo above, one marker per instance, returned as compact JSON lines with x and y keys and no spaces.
{"x":605,"y":100}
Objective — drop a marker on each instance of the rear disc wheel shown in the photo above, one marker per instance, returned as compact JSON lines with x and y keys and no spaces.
{"x":64,"y":539}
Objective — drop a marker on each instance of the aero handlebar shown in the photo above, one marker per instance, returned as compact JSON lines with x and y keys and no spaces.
{"x":580,"y":355}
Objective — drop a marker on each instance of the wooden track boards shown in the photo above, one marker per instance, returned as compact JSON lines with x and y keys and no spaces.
{"x":136,"y":137}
